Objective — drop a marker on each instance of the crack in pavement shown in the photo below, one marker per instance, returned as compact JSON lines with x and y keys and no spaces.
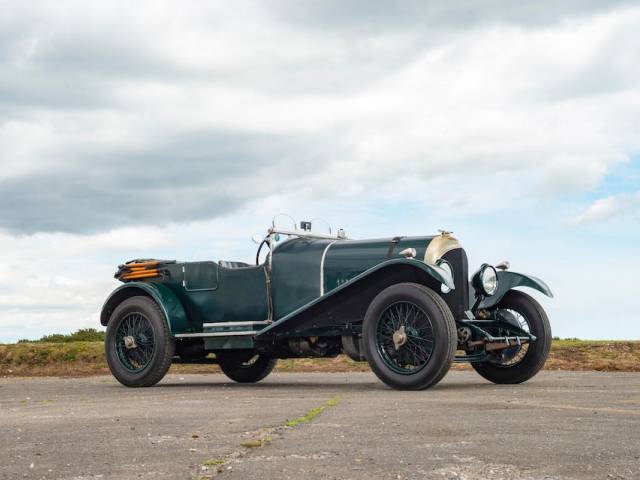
{"x":258,"y":439}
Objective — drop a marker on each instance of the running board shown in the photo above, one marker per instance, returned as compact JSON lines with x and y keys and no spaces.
{"x":235,"y":324}
{"x":215,"y":334}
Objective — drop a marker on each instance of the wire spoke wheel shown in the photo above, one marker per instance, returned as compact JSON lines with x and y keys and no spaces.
{"x":138,"y":345}
{"x":514,"y":355}
{"x":518,"y":363}
{"x":134,"y":342}
{"x":404,"y":337}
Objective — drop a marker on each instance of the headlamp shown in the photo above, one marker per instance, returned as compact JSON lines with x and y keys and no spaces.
{"x":486,"y":280}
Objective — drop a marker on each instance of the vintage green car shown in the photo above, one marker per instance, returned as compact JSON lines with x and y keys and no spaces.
{"x":405,"y":305}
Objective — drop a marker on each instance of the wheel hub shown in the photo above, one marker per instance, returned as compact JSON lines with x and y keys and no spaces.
{"x":129,"y":342}
{"x":399,"y":338}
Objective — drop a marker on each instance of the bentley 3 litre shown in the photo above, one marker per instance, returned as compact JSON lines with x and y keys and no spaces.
{"x":405,"y":305}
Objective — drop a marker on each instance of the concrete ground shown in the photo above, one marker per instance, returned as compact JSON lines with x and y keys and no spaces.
{"x":559,"y":425}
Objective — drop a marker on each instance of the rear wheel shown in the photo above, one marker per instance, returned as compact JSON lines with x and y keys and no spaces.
{"x":409,"y":336}
{"x":519,"y":363}
{"x":245,"y":367}
{"x":138,"y":345}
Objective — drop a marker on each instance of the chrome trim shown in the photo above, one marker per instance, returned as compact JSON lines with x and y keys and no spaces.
{"x":304,"y":234}
{"x":324,"y":254}
{"x":440,"y":245}
{"x":235,"y":324}
{"x":312,"y":221}
{"x":215,"y":334}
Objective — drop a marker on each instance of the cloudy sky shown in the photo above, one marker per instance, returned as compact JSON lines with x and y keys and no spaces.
{"x":178,"y":129}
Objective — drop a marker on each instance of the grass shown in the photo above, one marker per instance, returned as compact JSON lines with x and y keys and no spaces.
{"x":267,"y":435}
{"x":214,"y":466}
{"x":81,"y":358}
{"x":82,"y":335}
{"x":256,"y":442}
{"x":42,"y":359}
{"x":601,"y":355}
{"x":261,"y":438}
{"x":313,"y":413}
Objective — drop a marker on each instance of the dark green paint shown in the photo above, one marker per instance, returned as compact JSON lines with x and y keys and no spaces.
{"x":211,"y":293}
{"x":304,"y":273}
{"x":167,"y":300}
{"x":297,"y":279}
{"x":194,"y":293}
{"x":295,"y":274}
{"x":215,"y":294}
{"x":347,"y":259}
{"x":508,"y":281}
{"x":201,"y":276}
{"x":429,"y":269}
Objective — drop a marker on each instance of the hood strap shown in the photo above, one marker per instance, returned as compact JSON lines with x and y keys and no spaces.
{"x":392,"y":246}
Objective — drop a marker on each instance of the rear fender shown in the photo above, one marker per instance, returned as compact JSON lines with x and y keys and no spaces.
{"x":347,"y":303}
{"x":168,"y":302}
{"x":508,"y":281}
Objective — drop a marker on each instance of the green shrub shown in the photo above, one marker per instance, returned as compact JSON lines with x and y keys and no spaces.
{"x":40,"y":354}
{"x":82,"y":335}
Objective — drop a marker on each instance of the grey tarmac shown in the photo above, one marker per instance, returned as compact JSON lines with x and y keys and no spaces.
{"x":560,"y":425}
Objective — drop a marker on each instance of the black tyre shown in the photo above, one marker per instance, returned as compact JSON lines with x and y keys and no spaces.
{"x":245,"y":367}
{"x":520,"y":363}
{"x":409,"y":336}
{"x":138,"y":344}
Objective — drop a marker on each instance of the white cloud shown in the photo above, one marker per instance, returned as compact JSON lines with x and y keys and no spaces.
{"x":176,"y":130}
{"x":609,"y":208}
{"x":371,"y":106}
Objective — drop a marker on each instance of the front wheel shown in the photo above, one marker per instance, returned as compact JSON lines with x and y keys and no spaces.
{"x":245,"y":367}
{"x":409,"y":336}
{"x":138,"y":346}
{"x":519,"y":363}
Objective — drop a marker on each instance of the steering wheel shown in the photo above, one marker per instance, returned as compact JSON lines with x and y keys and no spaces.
{"x":262,"y":244}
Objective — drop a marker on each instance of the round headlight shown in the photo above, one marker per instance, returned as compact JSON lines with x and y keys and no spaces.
{"x":489,"y":278}
{"x":443,"y":264}
{"x":486,"y":280}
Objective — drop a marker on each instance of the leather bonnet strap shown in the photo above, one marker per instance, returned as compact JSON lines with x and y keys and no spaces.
{"x":392,"y":246}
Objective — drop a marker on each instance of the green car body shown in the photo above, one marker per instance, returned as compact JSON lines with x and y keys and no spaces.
{"x":314,"y":287}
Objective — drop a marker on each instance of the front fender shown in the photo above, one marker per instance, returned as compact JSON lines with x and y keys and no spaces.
{"x":355,"y":296}
{"x":168,"y":302}
{"x":507,"y":281}
{"x":440,"y":274}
